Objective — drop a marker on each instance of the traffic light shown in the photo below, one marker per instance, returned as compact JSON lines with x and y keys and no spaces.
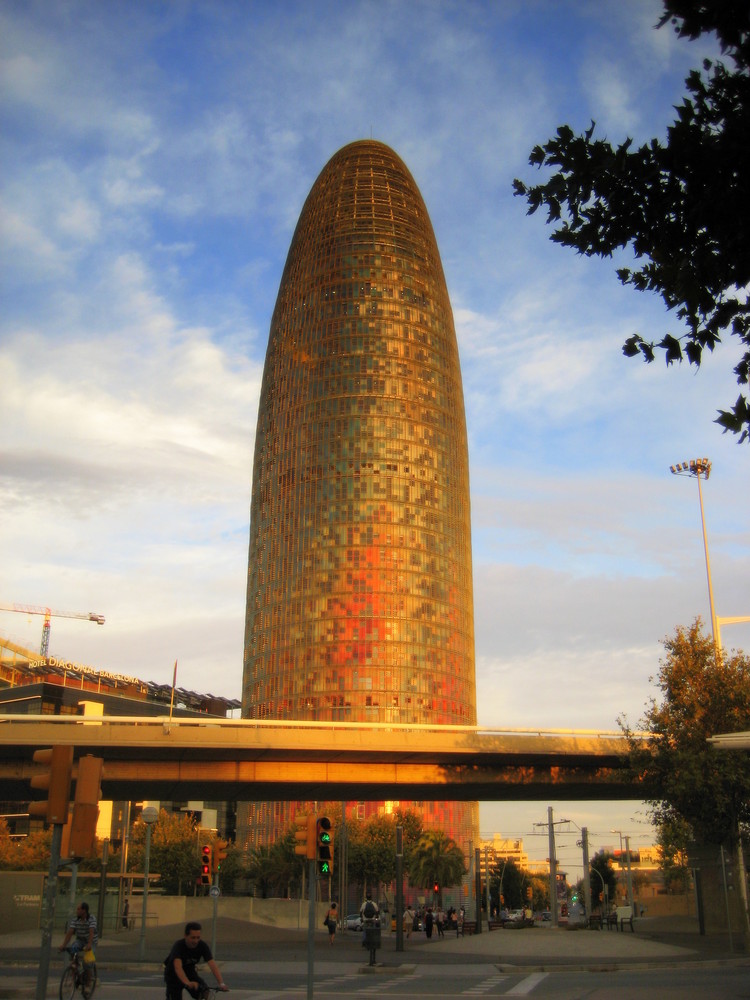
{"x":304,"y":836}
{"x":220,"y":853}
{"x":86,"y":806}
{"x":529,"y":892}
{"x":55,"y":780}
{"x":436,"y":888}
{"x":324,"y":840}
{"x":206,"y":865}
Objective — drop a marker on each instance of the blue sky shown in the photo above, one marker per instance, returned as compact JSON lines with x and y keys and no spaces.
{"x":155,"y":158}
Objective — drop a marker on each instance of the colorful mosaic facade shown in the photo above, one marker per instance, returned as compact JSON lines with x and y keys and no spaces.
{"x":359,"y":599}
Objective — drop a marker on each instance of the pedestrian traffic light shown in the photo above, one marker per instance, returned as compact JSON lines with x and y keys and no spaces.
{"x":304,"y":836}
{"x":324,"y":839}
{"x":86,"y":806}
{"x":436,"y":887}
{"x":54,"y":779}
{"x":220,"y":853}
{"x":206,"y":865}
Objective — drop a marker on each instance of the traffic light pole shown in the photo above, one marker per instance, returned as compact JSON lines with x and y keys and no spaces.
{"x":399,"y":888}
{"x":215,"y":896}
{"x":48,"y":912}
{"x":312,"y":893}
{"x":586,"y":871}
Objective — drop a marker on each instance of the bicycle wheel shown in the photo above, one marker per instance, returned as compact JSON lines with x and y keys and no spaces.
{"x":88,"y":981}
{"x":68,"y":984}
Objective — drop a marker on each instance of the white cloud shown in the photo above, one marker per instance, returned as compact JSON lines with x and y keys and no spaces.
{"x":22,"y":237}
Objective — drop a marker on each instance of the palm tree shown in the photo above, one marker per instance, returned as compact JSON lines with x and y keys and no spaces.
{"x":437,"y":860}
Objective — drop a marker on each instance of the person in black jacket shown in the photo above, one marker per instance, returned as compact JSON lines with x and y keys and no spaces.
{"x":179,"y":965}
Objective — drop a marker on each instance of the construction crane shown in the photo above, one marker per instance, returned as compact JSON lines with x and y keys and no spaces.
{"x":31,"y":609}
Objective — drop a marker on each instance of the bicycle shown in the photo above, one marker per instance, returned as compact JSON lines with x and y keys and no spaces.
{"x":78,"y":975}
{"x":207,"y":992}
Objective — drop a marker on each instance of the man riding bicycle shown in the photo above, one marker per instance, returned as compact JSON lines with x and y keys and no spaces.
{"x":83,"y":927}
{"x":180,"y":963}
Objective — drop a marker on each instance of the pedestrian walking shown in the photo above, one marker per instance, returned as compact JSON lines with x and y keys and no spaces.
{"x":409,"y":918}
{"x":370,"y":916}
{"x":330,"y":921}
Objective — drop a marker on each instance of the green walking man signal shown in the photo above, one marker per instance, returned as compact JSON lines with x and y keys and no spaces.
{"x":324,"y":838}
{"x":314,"y":840}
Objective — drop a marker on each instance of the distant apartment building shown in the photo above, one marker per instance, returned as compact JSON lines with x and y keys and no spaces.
{"x":498,"y":849}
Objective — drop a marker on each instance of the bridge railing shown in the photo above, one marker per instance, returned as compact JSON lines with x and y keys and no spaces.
{"x":310,"y":724}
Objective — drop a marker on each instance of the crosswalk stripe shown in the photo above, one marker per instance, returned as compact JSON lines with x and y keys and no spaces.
{"x":527,"y":985}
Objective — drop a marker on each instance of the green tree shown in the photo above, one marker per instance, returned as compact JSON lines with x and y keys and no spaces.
{"x":233,"y":867}
{"x":174,"y":854}
{"x":603,"y":875}
{"x":689,"y":780}
{"x":511,"y":882}
{"x":276,"y":869}
{"x":680,"y":206}
{"x":539,"y":892}
{"x":32,"y":852}
{"x":372,"y":851}
{"x":7,"y":852}
{"x":673,"y":837}
{"x":411,"y":824}
{"x":260,"y":870}
{"x":436,"y":858}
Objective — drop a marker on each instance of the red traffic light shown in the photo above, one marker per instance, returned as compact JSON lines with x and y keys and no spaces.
{"x":206,"y":865}
{"x":436,"y":887}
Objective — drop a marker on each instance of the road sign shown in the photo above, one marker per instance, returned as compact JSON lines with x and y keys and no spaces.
{"x":214,"y":891}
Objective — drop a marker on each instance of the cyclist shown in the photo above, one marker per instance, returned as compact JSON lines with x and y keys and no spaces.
{"x":83,"y":927}
{"x":180,"y":963}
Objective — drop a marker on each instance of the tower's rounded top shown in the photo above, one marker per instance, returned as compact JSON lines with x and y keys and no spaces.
{"x":365,"y":196}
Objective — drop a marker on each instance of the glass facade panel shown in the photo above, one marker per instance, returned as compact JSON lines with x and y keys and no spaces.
{"x":359,"y":599}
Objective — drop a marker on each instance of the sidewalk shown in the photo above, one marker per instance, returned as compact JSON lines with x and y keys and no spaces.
{"x":655,"y":942}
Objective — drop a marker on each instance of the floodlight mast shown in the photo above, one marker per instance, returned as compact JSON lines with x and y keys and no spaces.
{"x":700,"y":468}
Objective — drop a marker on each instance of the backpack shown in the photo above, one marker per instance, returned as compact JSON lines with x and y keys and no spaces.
{"x":369,"y":910}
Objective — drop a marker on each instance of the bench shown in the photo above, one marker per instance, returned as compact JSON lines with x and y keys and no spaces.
{"x":469,"y":927}
{"x":595,"y":921}
{"x":624,"y":915}
{"x":611,"y":920}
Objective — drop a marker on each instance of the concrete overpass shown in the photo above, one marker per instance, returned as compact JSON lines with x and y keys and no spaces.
{"x":251,"y":760}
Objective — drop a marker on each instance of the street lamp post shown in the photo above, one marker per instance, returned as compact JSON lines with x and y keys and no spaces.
{"x":631,"y":902}
{"x":732,"y":620}
{"x":149,"y":817}
{"x":700,"y":468}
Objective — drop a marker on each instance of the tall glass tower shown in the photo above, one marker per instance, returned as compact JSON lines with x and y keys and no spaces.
{"x":359,"y":595}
